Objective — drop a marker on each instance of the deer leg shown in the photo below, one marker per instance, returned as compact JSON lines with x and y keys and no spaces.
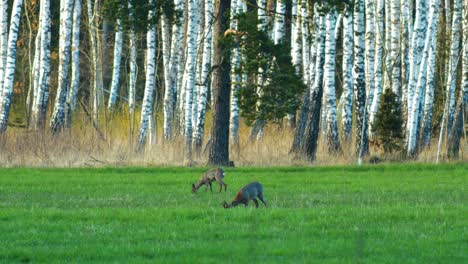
{"x":220,"y":187}
{"x":225,"y":187}
{"x":256,"y":202}
{"x":246,"y":203}
{"x":211,"y":188}
{"x":261,"y":199}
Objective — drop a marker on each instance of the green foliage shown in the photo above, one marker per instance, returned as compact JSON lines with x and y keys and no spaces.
{"x":388,"y":124}
{"x":385,"y":214}
{"x":281,"y":87}
{"x":114,"y":9}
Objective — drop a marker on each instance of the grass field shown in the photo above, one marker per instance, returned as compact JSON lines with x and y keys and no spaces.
{"x":372,"y":214}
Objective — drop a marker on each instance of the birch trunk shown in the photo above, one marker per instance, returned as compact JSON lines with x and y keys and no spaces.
{"x":6,"y":91}
{"x":329,"y":84}
{"x":313,"y":122}
{"x":296,"y":40}
{"x":395,"y":48}
{"x":429,"y":97}
{"x":3,"y":38}
{"x":417,"y":46}
{"x":415,"y":115}
{"x":362,"y":144}
{"x":378,"y":83}
{"x":305,"y":41}
{"x":132,"y":76}
{"x":96,"y":80}
{"x":42,"y":92}
{"x":453,"y":63}
{"x":347,"y":95}
{"x":189,"y":74}
{"x":58,"y":116}
{"x":114,"y":90}
{"x":206,"y":65}
{"x":405,"y":62}
{"x":168,"y":57}
{"x":236,"y":79}
{"x":75,"y":53}
{"x":370,"y":50}
{"x":147,"y":105}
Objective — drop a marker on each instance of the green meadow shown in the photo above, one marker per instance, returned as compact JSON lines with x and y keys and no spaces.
{"x":371,"y":214}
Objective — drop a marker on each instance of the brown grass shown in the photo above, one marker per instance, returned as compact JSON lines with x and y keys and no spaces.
{"x":82,"y":146}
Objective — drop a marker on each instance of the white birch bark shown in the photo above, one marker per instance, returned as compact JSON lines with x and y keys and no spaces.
{"x":415,"y":116}
{"x":370,"y":50}
{"x":378,"y":82}
{"x":236,"y":78}
{"x":132,"y":75}
{"x":453,"y":63}
{"x":206,"y":65}
{"x":329,"y":83}
{"x":189,"y":73}
{"x":362,"y":144}
{"x":75,"y":53}
{"x":58,"y":115}
{"x":114,"y":90}
{"x":96,"y":83}
{"x":41,"y":94}
{"x":3,"y":38}
{"x":347,"y":95}
{"x":305,"y":41}
{"x":388,"y":44}
{"x":416,"y":49}
{"x":395,"y":48}
{"x":296,"y":40}
{"x":147,"y":105}
{"x":6,"y":91}
{"x":429,"y":96}
{"x":405,"y":38}
{"x":278,"y":29}
{"x":168,"y":91}
{"x":36,"y":61}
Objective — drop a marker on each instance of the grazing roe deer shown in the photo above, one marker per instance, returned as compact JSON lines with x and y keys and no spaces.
{"x":208,"y":177}
{"x":248,"y":192}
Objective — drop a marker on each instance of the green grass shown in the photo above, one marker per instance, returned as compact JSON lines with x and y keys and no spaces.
{"x":377,"y":214}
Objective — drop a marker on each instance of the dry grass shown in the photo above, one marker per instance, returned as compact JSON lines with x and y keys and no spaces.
{"x":82,"y":146}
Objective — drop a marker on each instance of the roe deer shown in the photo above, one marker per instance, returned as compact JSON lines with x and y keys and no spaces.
{"x":208,"y":177}
{"x":248,"y":192}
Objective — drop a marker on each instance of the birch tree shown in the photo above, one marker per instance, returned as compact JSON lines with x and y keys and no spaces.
{"x":415,"y":116}
{"x":75,"y":55}
{"x":453,"y":63}
{"x":395,"y":48}
{"x":3,"y":38}
{"x":58,"y":116}
{"x":347,"y":95}
{"x":378,"y":84}
{"x":93,"y":39}
{"x":458,"y":125}
{"x":189,"y":73}
{"x":329,"y":83}
{"x":132,"y":75}
{"x":206,"y":65}
{"x":7,"y":89}
{"x":236,"y":79}
{"x":417,"y":46}
{"x":114,"y":89}
{"x":370,"y":50}
{"x":41,"y":95}
{"x":147,"y":105}
{"x":296,"y":40}
{"x":313,"y":122}
{"x":362,"y":144}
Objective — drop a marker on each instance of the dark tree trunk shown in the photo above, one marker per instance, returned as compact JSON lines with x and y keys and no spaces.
{"x":301,"y":123}
{"x":313,"y":123}
{"x":453,"y":143}
{"x":219,"y":149}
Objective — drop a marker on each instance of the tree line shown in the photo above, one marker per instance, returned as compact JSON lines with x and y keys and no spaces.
{"x":360,"y":72}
